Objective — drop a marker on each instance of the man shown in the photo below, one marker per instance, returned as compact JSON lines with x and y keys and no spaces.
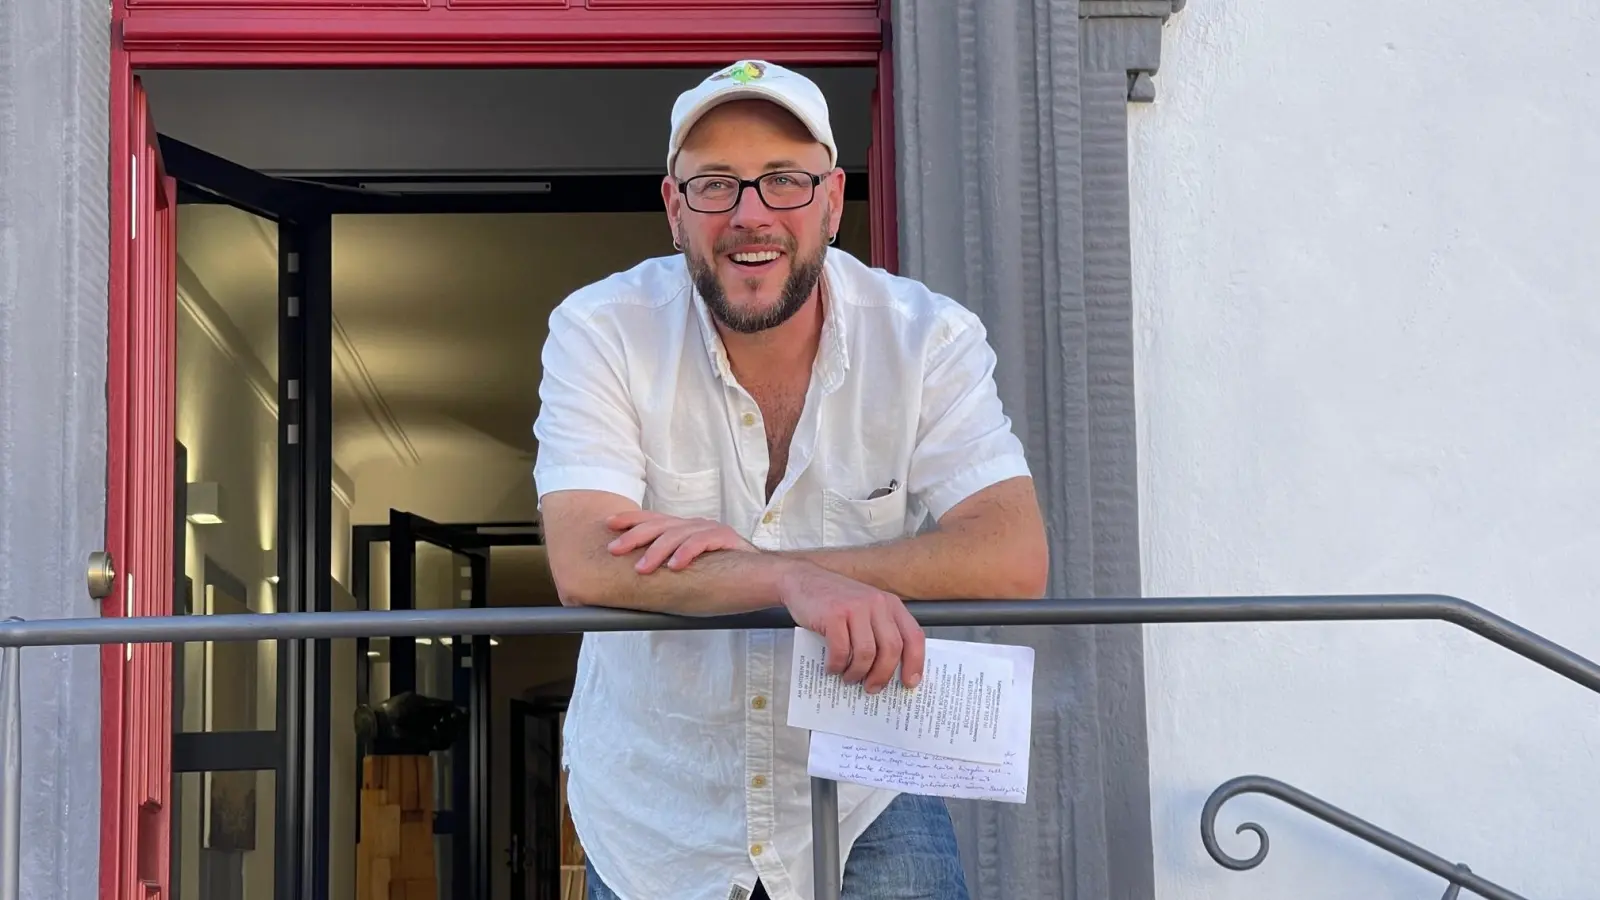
{"x":760,"y":422}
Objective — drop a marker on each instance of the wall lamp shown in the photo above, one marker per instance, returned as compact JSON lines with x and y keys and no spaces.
{"x":205,"y":503}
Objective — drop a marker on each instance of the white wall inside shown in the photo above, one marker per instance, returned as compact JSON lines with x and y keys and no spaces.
{"x":1368,"y":348}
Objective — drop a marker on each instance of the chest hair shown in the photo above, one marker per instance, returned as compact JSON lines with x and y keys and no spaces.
{"x":780,"y":405}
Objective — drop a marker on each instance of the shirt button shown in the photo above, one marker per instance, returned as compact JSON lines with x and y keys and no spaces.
{"x":767,"y":519}
{"x":758,"y":781}
{"x":749,"y":419}
{"x":759,"y":702}
{"x":755,"y":849}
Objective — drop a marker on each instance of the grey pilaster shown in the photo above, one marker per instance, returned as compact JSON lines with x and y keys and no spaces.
{"x":1012,"y":129}
{"x":54,"y":81}
{"x":1125,"y":37}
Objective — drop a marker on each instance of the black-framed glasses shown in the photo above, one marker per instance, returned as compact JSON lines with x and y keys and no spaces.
{"x":718,"y":193}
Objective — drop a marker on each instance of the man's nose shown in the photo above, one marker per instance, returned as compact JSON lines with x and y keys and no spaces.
{"x":750,"y":210}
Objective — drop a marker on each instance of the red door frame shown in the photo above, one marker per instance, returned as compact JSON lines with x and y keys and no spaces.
{"x":136,"y":682}
{"x":476,"y":33}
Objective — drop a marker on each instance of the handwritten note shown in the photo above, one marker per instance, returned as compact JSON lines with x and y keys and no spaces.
{"x":877,"y":765}
{"x":961,"y":708}
{"x":874,"y":765}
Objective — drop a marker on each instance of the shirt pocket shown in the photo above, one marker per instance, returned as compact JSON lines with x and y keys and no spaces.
{"x":847,"y":521}
{"x":689,"y":495}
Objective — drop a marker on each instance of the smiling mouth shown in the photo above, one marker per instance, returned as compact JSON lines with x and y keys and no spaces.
{"x":755,"y":258}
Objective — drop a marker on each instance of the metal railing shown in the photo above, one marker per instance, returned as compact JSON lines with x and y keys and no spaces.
{"x":1457,"y":875}
{"x":16,"y":634}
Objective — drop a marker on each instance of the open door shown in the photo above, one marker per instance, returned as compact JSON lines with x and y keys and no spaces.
{"x":135,"y":679}
{"x":169,"y":780}
{"x":260,"y":754}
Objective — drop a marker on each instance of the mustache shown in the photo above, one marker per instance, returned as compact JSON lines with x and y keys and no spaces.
{"x":737,"y":243}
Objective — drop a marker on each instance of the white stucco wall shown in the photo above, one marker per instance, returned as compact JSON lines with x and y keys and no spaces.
{"x":1368,"y":321}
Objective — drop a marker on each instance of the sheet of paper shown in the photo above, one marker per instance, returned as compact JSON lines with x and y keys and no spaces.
{"x":960,"y":709}
{"x":876,"y":765}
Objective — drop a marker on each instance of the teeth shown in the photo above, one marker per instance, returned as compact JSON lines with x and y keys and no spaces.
{"x":762,"y":256}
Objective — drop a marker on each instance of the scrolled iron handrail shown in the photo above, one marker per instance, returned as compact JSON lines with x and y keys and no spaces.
{"x":1458,"y":876}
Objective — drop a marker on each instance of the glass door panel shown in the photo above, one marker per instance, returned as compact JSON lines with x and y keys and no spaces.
{"x":227,"y":429}
{"x":416,"y":564}
{"x":249,"y":280}
{"x":223,"y":835}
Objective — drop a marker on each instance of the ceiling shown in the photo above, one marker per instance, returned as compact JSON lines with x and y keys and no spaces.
{"x":371,"y":121}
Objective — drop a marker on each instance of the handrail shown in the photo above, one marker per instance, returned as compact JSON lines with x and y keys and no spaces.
{"x":548,"y":620}
{"x":556,"y":620}
{"x":16,"y":634}
{"x":1458,"y":876}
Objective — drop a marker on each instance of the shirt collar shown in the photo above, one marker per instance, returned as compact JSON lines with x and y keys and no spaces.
{"x":833,"y":357}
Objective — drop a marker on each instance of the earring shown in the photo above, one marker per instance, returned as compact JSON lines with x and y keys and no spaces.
{"x":675,"y":245}
{"x":833,"y":238}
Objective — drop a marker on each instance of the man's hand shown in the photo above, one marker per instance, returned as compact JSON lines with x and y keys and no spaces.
{"x":671,"y":540}
{"x":869,"y":632}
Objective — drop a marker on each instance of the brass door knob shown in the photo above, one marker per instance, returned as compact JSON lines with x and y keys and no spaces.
{"x":102,"y":573}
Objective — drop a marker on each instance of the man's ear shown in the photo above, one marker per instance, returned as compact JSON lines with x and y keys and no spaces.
{"x":673,"y":201}
{"x":834,"y":185}
{"x":670,"y":198}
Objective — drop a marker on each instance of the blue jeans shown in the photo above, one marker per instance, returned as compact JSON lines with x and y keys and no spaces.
{"x":907,"y":853}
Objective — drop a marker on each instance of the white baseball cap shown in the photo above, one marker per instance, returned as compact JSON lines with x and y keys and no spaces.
{"x":758,"y":79}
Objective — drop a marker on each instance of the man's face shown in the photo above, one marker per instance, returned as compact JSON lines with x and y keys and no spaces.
{"x":754,"y":266}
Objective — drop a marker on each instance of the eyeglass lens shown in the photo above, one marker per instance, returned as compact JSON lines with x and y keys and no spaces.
{"x":719,"y":193}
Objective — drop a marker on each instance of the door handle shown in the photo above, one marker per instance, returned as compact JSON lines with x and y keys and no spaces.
{"x":102,"y":573}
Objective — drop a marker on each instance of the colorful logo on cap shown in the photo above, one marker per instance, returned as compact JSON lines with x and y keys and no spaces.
{"x":744,"y":72}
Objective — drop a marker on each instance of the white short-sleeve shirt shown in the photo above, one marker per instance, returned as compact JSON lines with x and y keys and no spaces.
{"x":684,"y":776}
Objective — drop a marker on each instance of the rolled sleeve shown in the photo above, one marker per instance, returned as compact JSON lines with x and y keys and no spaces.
{"x":587,"y":430}
{"x":965,"y":441}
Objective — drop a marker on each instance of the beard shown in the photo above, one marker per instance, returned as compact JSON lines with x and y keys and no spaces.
{"x":804,"y":273}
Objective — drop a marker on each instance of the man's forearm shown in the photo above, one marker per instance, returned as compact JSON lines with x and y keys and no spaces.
{"x":719,"y":583}
{"x":938,"y":565}
{"x":991,"y":547}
